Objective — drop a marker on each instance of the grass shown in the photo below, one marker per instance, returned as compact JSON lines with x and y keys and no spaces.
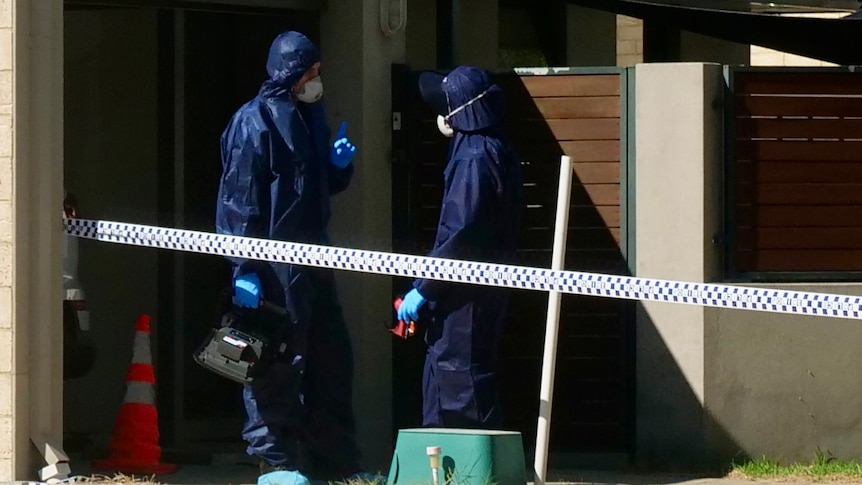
{"x":824,"y":468}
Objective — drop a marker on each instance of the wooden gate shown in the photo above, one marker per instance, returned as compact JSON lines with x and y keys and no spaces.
{"x":583,"y":114}
{"x":795,"y":174}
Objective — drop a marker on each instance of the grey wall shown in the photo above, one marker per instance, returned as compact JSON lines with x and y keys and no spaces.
{"x":357,"y":75}
{"x":677,"y":212}
{"x":31,"y":362}
{"x":591,"y":37}
{"x":421,"y":34}
{"x":701,"y":48}
{"x":784,"y":385}
{"x":110,"y":165}
{"x":667,"y":44}
{"x":473,"y":45}
{"x":717,"y":385}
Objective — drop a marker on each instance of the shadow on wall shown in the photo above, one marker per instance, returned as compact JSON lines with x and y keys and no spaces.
{"x":621,"y":399}
{"x":579,"y":116}
{"x":675,"y":433}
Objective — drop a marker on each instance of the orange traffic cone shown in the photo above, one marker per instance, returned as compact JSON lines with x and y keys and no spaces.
{"x":135,"y":444}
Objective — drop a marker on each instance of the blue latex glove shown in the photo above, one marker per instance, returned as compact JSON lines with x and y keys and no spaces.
{"x":247,"y":291}
{"x":342,"y":151}
{"x":410,"y":305}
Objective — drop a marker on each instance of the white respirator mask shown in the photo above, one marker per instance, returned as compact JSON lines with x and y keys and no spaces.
{"x":443,"y":121}
{"x":311,"y":91}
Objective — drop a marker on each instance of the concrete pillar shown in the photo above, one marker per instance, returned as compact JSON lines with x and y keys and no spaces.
{"x":591,"y":37}
{"x":38,"y":175}
{"x":7,"y":220}
{"x":678,"y":197}
{"x":476,"y":32}
{"x":31,"y":191}
{"x":357,"y":61}
{"x":421,"y":48}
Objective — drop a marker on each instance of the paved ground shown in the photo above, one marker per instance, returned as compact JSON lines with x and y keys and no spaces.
{"x":234,"y":475}
{"x":246,"y":475}
{"x":214,"y":475}
{"x":239,"y":469}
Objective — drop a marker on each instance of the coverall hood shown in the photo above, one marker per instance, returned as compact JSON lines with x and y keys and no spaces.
{"x":290,"y":56}
{"x":463,"y":85}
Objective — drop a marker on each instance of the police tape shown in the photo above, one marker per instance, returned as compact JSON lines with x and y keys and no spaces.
{"x":472,"y":272}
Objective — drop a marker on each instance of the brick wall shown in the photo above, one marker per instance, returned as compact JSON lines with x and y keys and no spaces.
{"x":630,"y":41}
{"x":6,"y":137}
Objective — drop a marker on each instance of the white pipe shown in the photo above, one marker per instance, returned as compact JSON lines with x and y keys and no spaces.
{"x":433,"y":453}
{"x":552,"y":326}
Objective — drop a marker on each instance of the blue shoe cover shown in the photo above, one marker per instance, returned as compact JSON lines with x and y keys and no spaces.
{"x":283,"y":477}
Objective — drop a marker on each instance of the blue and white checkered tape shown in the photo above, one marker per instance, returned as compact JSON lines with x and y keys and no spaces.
{"x":520,"y":277}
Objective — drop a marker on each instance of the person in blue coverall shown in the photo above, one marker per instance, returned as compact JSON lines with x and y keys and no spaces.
{"x":279,"y":172}
{"x":480,"y":219}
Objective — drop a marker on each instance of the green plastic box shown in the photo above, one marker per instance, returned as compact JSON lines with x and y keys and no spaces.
{"x":467,"y":457}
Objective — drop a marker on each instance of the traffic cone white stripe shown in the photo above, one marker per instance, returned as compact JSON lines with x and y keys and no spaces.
{"x":141,"y":351}
{"x":140,"y":392}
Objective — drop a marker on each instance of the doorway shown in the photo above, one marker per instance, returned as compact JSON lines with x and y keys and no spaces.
{"x":148,"y":91}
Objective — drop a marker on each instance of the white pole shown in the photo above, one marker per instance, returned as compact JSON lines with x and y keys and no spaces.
{"x":552,"y":325}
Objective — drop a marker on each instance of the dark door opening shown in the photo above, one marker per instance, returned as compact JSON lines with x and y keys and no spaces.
{"x":149,"y":90}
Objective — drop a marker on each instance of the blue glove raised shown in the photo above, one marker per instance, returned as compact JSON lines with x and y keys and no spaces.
{"x":247,"y":291}
{"x":409,"y":309}
{"x":342,"y":151}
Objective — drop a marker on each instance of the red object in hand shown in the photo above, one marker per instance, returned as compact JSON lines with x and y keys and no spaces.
{"x":402,"y":329}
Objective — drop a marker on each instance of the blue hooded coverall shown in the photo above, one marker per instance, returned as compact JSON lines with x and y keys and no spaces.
{"x":276,"y":184}
{"x":479,"y":221}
